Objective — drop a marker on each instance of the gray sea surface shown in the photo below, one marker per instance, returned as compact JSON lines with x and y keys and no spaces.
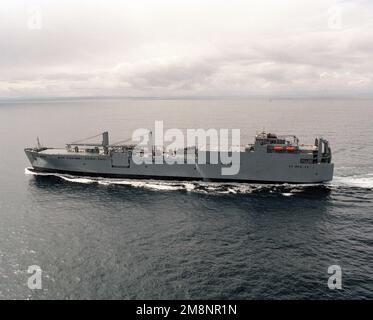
{"x":130,"y":239}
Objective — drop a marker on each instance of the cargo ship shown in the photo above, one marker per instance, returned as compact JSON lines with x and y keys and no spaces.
{"x":270,"y":159}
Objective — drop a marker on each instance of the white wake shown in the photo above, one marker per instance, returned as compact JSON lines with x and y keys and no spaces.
{"x":287,"y":190}
{"x":358,"y":181}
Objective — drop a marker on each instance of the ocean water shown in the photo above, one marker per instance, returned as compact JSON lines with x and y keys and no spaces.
{"x":120,"y":239}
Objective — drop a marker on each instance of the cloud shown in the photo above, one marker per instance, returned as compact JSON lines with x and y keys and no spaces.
{"x":164,"y":48}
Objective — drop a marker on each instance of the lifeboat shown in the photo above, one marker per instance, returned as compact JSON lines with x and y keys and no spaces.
{"x":291,"y":149}
{"x":278,"y":148}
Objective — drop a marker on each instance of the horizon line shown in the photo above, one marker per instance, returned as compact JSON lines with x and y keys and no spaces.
{"x":189,"y":97}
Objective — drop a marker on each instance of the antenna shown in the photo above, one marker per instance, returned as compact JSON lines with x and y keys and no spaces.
{"x":38,"y":142}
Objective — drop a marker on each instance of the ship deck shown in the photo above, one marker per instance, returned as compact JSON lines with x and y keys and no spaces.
{"x":63,"y":151}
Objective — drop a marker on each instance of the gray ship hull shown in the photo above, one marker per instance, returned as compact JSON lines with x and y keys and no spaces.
{"x":259,"y":167}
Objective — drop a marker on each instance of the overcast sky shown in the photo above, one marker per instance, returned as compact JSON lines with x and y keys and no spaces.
{"x":186,"y":48}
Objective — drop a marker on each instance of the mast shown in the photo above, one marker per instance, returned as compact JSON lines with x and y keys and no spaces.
{"x":105,"y":141}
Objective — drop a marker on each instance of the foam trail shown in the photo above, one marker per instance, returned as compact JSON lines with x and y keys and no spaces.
{"x":77,"y":180}
{"x":28,"y":171}
{"x":193,"y":186}
{"x":64,"y":177}
{"x":142,"y":184}
{"x":189,"y":186}
{"x":358,"y":181}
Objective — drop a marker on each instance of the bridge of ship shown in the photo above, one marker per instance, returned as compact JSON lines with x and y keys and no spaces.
{"x":272,"y":143}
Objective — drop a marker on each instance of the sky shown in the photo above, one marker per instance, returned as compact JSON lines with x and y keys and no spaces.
{"x":186,"y":48}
